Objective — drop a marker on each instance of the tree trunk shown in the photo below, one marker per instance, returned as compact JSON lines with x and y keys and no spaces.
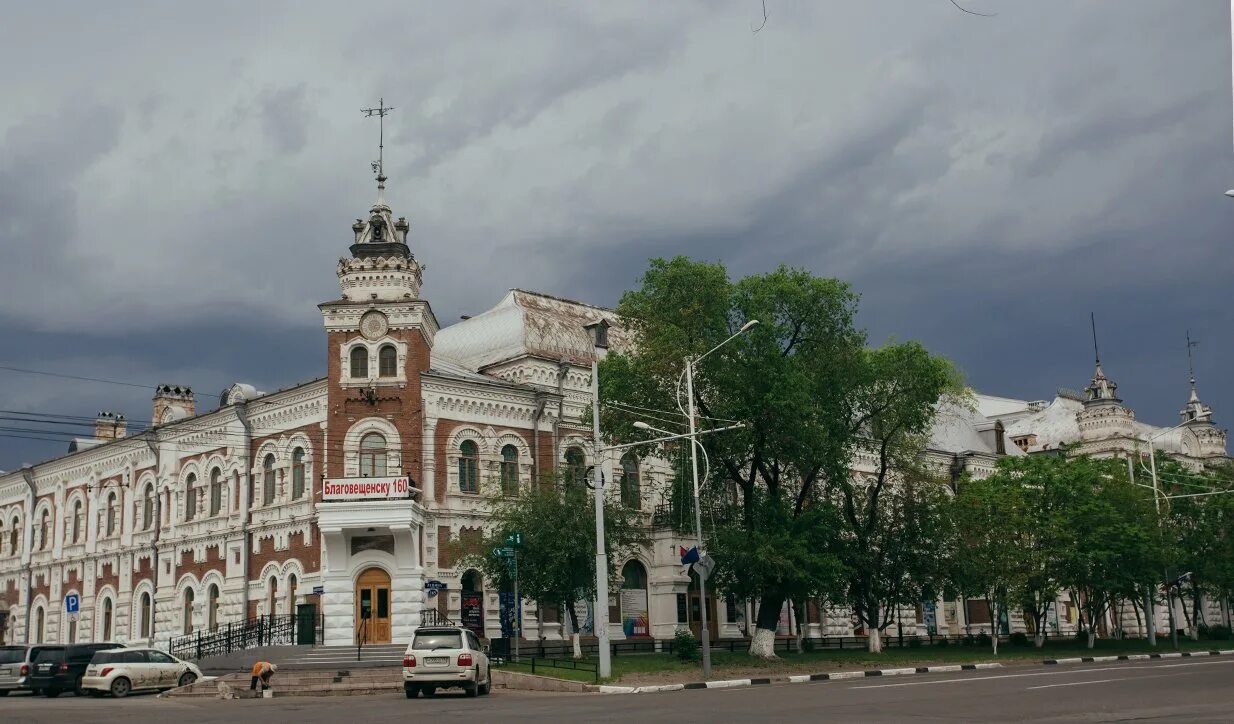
{"x":1092,"y":637}
{"x":763,"y":642}
{"x":799,"y":614}
{"x":874,"y":641}
{"x":1039,"y":639}
{"x":578,"y":649}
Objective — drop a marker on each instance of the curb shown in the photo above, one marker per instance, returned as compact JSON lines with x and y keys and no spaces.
{"x":796,"y":679}
{"x":1138,"y":657}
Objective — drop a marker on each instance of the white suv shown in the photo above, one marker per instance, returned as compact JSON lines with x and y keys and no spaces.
{"x":442,"y":657}
{"x":121,"y":671}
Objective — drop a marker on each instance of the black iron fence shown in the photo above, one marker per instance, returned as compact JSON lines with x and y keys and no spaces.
{"x":545,"y":666}
{"x":433,"y":617}
{"x":271,"y":630}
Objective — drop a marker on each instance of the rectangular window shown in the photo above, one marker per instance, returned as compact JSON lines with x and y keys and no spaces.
{"x":468,"y":475}
{"x":383,"y":603}
{"x":978,"y":611}
{"x":681,"y":608}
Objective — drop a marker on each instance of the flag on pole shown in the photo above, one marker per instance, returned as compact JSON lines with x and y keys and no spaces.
{"x":688,"y":556}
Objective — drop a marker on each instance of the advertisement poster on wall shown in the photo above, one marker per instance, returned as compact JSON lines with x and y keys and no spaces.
{"x":634,"y":620}
{"x":508,"y":616}
{"x":473,"y":612}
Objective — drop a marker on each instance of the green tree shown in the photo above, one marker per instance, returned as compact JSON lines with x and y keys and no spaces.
{"x":1198,"y":508}
{"x":811,"y":396}
{"x":557,"y":561}
{"x":1115,"y":531}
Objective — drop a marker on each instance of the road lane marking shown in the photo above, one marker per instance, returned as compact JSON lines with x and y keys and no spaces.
{"x":1101,"y":681}
{"x":985,"y":678}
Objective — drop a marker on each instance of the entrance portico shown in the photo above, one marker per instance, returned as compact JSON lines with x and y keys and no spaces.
{"x":371,"y":559}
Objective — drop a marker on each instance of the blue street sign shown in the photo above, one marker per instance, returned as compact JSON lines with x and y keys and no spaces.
{"x":434,"y":587}
{"x":72,"y":603}
{"x":318,"y":590}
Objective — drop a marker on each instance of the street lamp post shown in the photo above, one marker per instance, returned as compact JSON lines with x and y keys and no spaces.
{"x":698,"y":513}
{"x":599,"y":335}
{"x":1152,"y":463}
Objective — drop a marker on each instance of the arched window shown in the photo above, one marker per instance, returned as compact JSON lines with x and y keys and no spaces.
{"x":38,"y":625}
{"x":469,"y":467}
{"x":359,"y":363}
{"x":473,"y":582}
{"x":509,"y":470}
{"x":190,"y":497}
{"x":107,"y":619}
{"x":633,"y":576}
{"x":373,"y":456}
{"x":78,"y":522}
{"x":387,"y":361}
{"x":216,"y":491}
{"x":14,"y":541}
{"x":576,"y":466}
{"x":291,"y":593}
{"x":267,"y":480}
{"x":630,"y":490}
{"x":272,"y":592}
{"x":144,"y":614}
{"x":111,"y":514}
{"x":297,"y":473}
{"x":45,"y":530}
{"x":212,"y":607}
{"x":188,"y":610}
{"x":147,"y":508}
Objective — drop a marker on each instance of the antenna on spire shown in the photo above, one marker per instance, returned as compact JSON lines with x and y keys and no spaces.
{"x":379,"y":165}
{"x":1092,"y":318}
{"x":1190,"y":363}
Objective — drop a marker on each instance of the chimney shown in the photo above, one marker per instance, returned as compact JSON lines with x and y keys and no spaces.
{"x":109,"y":426}
{"x":171,"y":403}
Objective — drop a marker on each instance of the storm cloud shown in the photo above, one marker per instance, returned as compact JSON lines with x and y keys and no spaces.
{"x":176,"y":182}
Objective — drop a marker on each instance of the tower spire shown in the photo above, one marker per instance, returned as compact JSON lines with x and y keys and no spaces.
{"x":1190,"y":362}
{"x":379,"y":167}
{"x":1092,"y":318}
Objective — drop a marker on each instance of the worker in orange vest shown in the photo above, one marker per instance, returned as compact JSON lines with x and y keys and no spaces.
{"x":262,"y":671}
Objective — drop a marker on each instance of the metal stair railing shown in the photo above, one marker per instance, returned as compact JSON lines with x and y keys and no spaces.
{"x":433,"y":617}
{"x":265,"y":630}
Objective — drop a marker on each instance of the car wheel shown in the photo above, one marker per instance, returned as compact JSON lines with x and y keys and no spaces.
{"x":4,"y":692}
{"x":77,"y":690}
{"x":121,"y":687}
{"x":187,"y":678}
{"x":51,"y":693}
{"x":487,"y":686}
{"x":473,"y":688}
{"x":430,"y":690}
{"x":411,"y":691}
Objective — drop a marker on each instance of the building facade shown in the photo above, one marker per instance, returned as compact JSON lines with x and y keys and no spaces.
{"x":352,"y":493}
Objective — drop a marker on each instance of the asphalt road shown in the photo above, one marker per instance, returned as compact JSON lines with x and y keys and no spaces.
{"x":1172,"y":690}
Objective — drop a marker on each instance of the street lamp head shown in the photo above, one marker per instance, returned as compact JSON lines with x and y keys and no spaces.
{"x":750,"y":324}
{"x":642,"y":425}
{"x":1230,"y":193}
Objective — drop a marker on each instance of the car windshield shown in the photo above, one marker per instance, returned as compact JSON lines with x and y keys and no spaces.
{"x":104,"y":657}
{"x":12,"y":654}
{"x":432,"y":640}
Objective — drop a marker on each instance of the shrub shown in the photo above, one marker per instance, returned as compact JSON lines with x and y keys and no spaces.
{"x":983,"y":639}
{"x":1081,"y":636}
{"x":942,"y":643}
{"x":914,"y":643}
{"x":807,"y":644}
{"x":1019,"y":638}
{"x":970,"y":640}
{"x":685,"y":646}
{"x":1216,"y":633}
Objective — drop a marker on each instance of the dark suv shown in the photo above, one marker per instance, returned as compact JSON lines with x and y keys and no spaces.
{"x":57,"y":668}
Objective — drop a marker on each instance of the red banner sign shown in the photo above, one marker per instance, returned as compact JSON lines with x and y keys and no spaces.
{"x":366,"y":488}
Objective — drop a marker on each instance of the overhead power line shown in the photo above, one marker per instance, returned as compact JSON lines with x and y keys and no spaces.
{"x":88,"y":379}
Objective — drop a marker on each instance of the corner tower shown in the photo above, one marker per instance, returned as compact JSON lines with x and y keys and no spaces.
{"x":379,"y":338}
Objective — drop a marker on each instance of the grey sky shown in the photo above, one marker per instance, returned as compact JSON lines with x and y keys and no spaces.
{"x":177,"y":181}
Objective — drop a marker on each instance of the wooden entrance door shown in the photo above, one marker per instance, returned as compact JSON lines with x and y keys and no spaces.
{"x":373,"y":606}
{"x":696,"y":616}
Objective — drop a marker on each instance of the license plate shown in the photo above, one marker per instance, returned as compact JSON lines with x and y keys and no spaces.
{"x":45,"y":667}
{"x":437,"y":660}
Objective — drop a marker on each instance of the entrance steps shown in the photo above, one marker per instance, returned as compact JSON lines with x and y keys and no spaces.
{"x":344,"y":657}
{"x":387,"y":680}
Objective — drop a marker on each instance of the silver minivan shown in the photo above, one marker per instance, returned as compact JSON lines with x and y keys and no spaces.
{"x":14,"y":667}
